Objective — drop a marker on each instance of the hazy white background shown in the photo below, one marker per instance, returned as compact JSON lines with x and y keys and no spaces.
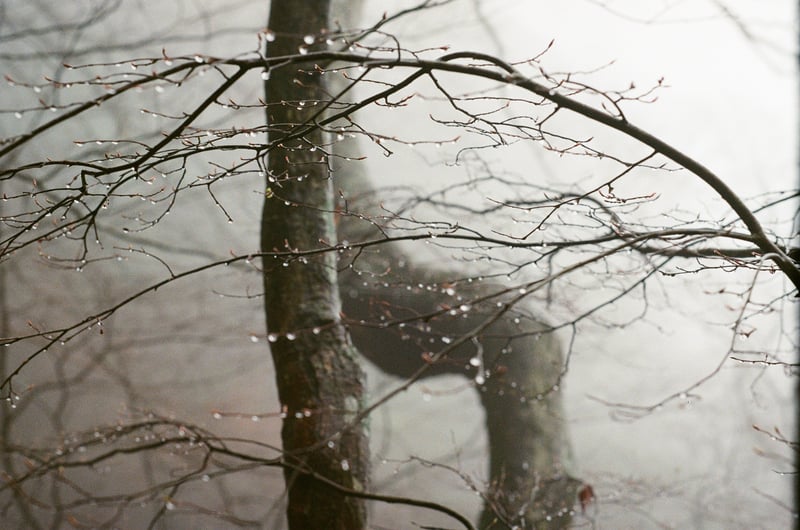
{"x":731,"y":103}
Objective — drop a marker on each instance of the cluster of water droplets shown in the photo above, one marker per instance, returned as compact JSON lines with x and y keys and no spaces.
{"x":13,"y":399}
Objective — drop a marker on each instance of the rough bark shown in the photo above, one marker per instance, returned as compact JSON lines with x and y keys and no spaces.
{"x":320,"y":383}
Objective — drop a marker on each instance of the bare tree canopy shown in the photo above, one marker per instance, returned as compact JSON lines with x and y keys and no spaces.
{"x":218,"y":220}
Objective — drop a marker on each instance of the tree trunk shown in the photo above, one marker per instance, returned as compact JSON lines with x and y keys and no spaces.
{"x":529,"y":464}
{"x":528,"y":444}
{"x":320,"y":383}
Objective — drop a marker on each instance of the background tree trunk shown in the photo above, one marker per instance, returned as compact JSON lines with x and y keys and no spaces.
{"x":529,"y":449}
{"x":528,"y":441}
{"x":320,"y":383}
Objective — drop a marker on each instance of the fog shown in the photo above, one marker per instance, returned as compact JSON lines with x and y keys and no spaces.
{"x":196,"y":349}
